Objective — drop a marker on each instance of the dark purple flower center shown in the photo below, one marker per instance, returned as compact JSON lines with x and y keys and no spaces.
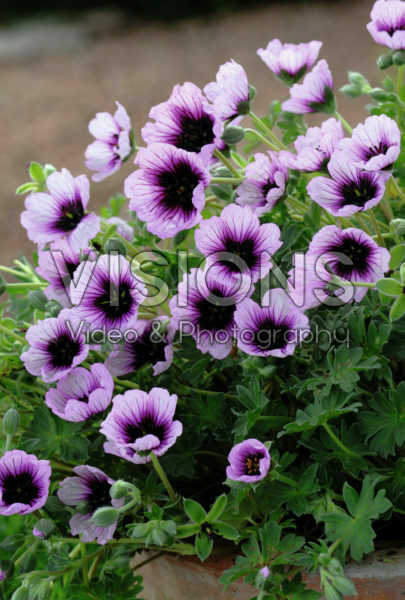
{"x":147,"y":350}
{"x":71,"y":268}
{"x":195,"y":133}
{"x":114,"y":300}
{"x":147,"y":426}
{"x":358,"y":254}
{"x":245,"y":250}
{"x":19,"y":487}
{"x":215,"y":315}
{"x":359,"y":192}
{"x":252,"y":464}
{"x":178,"y":187}
{"x":71,"y":213}
{"x":271,"y":335}
{"x":99,"y":494}
{"x":63,"y":350}
{"x":266,"y":187}
{"x":380,"y":148}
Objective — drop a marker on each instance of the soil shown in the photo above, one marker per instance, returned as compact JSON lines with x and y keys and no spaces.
{"x":56,"y":75}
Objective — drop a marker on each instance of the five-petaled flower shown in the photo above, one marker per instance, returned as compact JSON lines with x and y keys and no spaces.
{"x":249,"y":461}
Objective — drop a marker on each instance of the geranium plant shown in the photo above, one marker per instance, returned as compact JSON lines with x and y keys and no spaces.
{"x":215,"y":363}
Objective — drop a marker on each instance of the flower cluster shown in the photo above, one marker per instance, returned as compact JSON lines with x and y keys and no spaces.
{"x":248,"y":255}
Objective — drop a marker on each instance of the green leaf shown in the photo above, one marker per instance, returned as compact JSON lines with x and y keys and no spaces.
{"x":397,"y":255}
{"x":225,"y":530}
{"x":203,"y":545}
{"x":184,"y":531}
{"x":37,"y":173}
{"x":31,"y":186}
{"x":217,"y":508}
{"x":384,"y":425}
{"x":398,"y":308}
{"x":195,"y":511}
{"x":354,"y":529}
{"x":389,"y":287}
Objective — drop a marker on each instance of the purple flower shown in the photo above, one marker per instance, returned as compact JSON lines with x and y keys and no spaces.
{"x":57,"y":346}
{"x":186,"y":121}
{"x":92,"y":487}
{"x":273,"y":329}
{"x":57,"y":266}
{"x":140,"y":423}
{"x":230,"y":92}
{"x":349,"y":253}
{"x":61,"y":212}
{"x":124,"y":229}
{"x":249,"y":461}
{"x":375,"y":144}
{"x":265,"y":572}
{"x":387,"y":25}
{"x":349,"y":189}
{"x":150,"y":346}
{"x":3,"y":575}
{"x":38,"y":533}
{"x":24,"y":482}
{"x":290,"y":61}
{"x":81,"y":393}
{"x":314,"y":94}
{"x":113,"y":142}
{"x":236,"y":242}
{"x":167,"y":192}
{"x":265,"y":183}
{"x":315,"y":148}
{"x":205,"y":308}
{"x":106,"y":294}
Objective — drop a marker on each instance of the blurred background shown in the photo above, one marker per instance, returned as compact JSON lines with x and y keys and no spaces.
{"x":63,"y":61}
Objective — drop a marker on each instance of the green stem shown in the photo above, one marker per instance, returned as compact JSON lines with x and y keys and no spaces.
{"x":13,"y":272}
{"x":339,"y":443}
{"x":363,"y":224}
{"x":300,"y":206}
{"x":26,"y":286}
{"x":356,"y":283}
{"x":399,"y":191}
{"x":263,"y":139}
{"x":334,"y":546}
{"x":84,"y":564}
{"x":162,"y":475}
{"x":377,"y":228}
{"x":94,"y":566}
{"x":284,"y":478}
{"x":259,"y":123}
{"x":147,"y":560}
{"x":220,"y":156}
{"x":187,"y":388}
{"x":126,"y":383}
{"x":232,"y":180}
{"x":60,"y":466}
{"x":9,"y":440}
{"x":343,"y":121}
{"x":399,"y":511}
{"x":399,"y":88}
{"x":12,"y":334}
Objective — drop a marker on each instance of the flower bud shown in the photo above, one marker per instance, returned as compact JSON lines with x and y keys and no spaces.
{"x":357,"y":78}
{"x":105,"y":516}
{"x":53,"y":308}
{"x":118,"y":490}
{"x":379,"y":95}
{"x":384,"y":61}
{"x":352,"y":90}
{"x":398,"y":57}
{"x":21,"y":593}
{"x":11,"y":422}
{"x":233,"y":135}
{"x":398,"y":226}
{"x":37,"y":299}
{"x":3,"y":285}
{"x":115,"y":245}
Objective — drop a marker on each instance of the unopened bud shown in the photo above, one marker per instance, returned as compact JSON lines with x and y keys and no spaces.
{"x":115,"y":245}
{"x":105,"y":516}
{"x":11,"y":422}
{"x":83,"y":508}
{"x":398,"y":57}
{"x":118,"y":490}
{"x":233,"y":135}
{"x":352,"y":90}
{"x":37,"y":299}
{"x":384,"y":61}
{"x":3,"y":285}
{"x":398,"y":226}
{"x":379,"y":95}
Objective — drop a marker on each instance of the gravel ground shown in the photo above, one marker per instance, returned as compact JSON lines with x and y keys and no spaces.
{"x":56,"y":76}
